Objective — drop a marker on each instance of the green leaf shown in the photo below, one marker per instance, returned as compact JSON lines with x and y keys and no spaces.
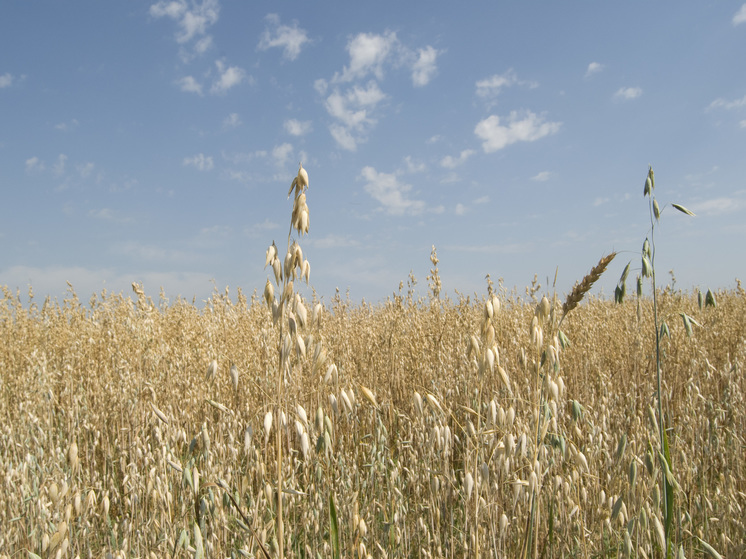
{"x":621,"y":447}
{"x":619,"y":293}
{"x":617,"y":507}
{"x":333,"y":529}
{"x":682,"y":209}
{"x":563,"y":340}
{"x":669,"y":488}
{"x":664,"y":331}
{"x":639,"y":286}
{"x":709,"y":550}
{"x":700,"y":299}
{"x":623,"y":277}
{"x":687,"y":324}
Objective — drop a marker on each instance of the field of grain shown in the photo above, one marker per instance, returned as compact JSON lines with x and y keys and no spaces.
{"x":401,"y":435}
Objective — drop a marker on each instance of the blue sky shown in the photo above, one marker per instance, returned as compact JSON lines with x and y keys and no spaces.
{"x":155,"y":142}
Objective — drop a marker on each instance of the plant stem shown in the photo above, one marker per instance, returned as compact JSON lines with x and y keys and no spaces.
{"x":661,"y":426}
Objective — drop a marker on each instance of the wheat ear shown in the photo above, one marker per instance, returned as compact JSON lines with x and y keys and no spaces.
{"x":580,"y":289}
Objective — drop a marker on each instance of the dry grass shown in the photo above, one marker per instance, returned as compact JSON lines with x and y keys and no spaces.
{"x":112,"y":439}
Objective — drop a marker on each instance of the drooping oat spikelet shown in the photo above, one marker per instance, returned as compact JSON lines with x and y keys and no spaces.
{"x":580,"y":289}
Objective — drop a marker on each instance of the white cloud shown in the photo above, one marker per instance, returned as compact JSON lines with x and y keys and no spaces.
{"x":413,"y":166}
{"x":229,"y":77}
{"x":190,"y":85}
{"x":593,"y":68}
{"x":628,"y":93}
{"x":296,"y":127}
{"x":333,"y":241}
{"x":65,"y":126}
{"x":424,"y":68}
{"x":740,"y":16}
{"x":368,"y":52}
{"x":352,"y":109}
{"x":599,"y":201}
{"x":34,"y":164}
{"x":200,"y":162}
{"x":202,"y":46}
{"x":59,"y":167}
{"x":232,"y":121}
{"x":85,"y":170}
{"x":718,"y":206}
{"x":743,"y":123}
{"x":460,"y":209}
{"x":282,"y":153}
{"x":192,"y":18}
{"x":541,"y":177}
{"x":491,"y":87}
{"x":721,"y":103}
{"x":320,"y":85}
{"x":392,"y":194}
{"x":6,"y":80}
{"x":290,"y":38}
{"x":450,"y":162}
{"x":343,"y":137}
{"x":434,"y":139}
{"x":528,"y":128}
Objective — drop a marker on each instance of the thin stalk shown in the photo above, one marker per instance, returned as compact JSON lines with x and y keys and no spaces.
{"x":280,"y":386}
{"x":661,"y":426}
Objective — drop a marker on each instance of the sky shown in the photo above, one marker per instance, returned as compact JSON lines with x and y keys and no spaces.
{"x":155,"y":142}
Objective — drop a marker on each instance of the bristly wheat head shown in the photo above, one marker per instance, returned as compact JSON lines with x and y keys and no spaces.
{"x":580,"y":289}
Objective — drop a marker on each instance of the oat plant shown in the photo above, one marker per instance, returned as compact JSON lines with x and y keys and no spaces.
{"x":668,"y":481}
{"x":291,"y":314}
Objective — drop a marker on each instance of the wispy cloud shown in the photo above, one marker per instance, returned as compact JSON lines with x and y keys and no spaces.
{"x":107,"y":214}
{"x":190,"y":85}
{"x":59,"y":167}
{"x":721,"y":103}
{"x":199,"y":161}
{"x":333,"y":241}
{"x":281,"y":154}
{"x":412,"y":166}
{"x":718,"y":206}
{"x":233,"y":120}
{"x":352,"y":110}
{"x":492,"y":86}
{"x":85,"y":169}
{"x":34,"y":164}
{"x":541,"y":177}
{"x":192,"y":18}
{"x":593,"y":68}
{"x":390,"y":193}
{"x":628,"y":93}
{"x":450,"y":162}
{"x":740,"y":16}
{"x":520,"y":127}
{"x":230,"y":76}
{"x":425,"y":67}
{"x":290,"y":38}
{"x":64,"y":126}
{"x":296,"y":127}
{"x":6,"y":80}
{"x":368,"y":52}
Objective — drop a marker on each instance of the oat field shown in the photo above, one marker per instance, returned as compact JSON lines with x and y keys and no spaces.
{"x":424,"y":426}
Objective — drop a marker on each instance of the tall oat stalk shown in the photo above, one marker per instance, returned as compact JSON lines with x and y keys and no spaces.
{"x":292,"y":267}
{"x":661,"y":328}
